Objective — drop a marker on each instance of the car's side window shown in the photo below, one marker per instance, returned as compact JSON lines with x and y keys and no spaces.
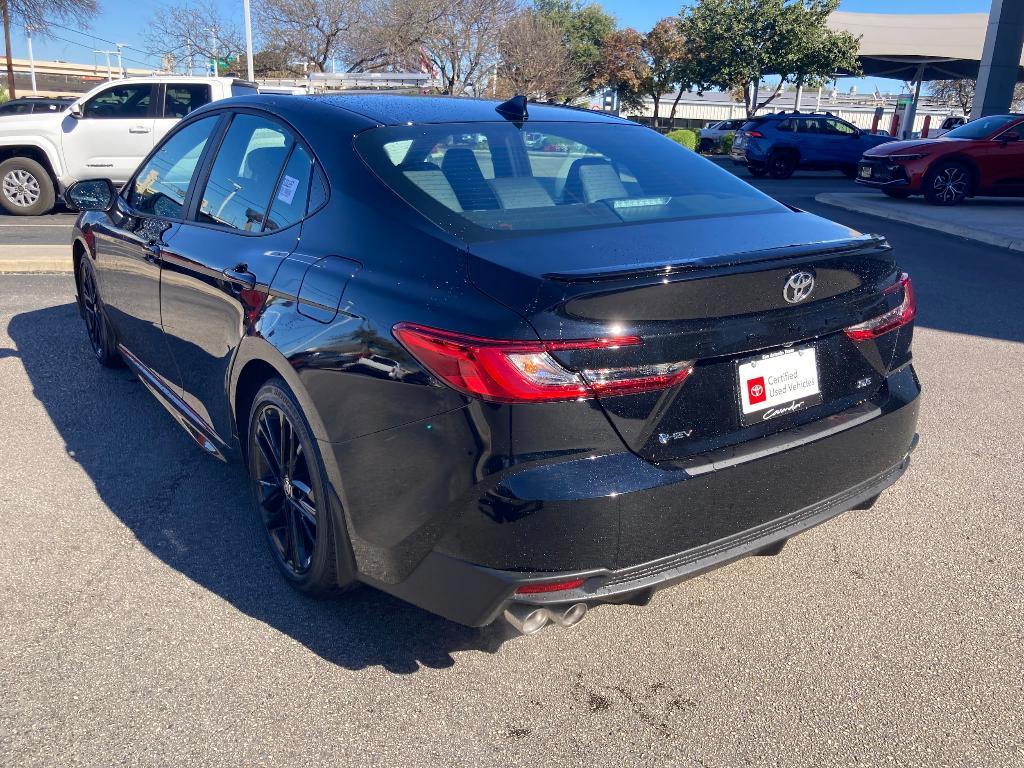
{"x":292,"y":194}
{"x":812,"y":125}
{"x":182,"y":98}
{"x":784,"y":125}
{"x":160,"y":186}
{"x":838,"y":126}
{"x":245,"y":174}
{"x":122,"y":101}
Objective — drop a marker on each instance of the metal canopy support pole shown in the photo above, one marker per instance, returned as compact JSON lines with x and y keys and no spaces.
{"x":911,"y":112}
{"x":1000,"y":58}
{"x":799,"y":94}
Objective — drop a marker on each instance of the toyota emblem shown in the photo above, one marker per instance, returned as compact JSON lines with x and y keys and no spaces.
{"x":798,"y":287}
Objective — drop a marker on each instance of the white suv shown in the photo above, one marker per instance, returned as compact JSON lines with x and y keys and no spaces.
{"x":105,"y":133}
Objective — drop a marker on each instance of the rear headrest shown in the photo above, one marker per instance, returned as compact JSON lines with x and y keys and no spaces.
{"x":591,"y":179}
{"x":264,"y":161}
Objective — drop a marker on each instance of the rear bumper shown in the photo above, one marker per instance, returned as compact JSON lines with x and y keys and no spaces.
{"x":715,"y":509}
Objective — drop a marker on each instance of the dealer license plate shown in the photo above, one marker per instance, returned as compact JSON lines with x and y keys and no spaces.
{"x":777,"y":384}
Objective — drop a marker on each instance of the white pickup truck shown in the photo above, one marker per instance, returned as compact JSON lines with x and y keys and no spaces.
{"x":105,"y":133}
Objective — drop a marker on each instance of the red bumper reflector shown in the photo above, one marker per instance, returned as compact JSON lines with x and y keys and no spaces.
{"x":553,"y":586}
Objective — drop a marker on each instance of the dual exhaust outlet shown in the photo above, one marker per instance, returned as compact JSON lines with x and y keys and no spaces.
{"x":530,"y":619}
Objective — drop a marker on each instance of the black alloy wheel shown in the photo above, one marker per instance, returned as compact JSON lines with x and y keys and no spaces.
{"x":948,"y":184}
{"x":101,"y":338}
{"x":289,"y":486}
{"x":781,"y":165}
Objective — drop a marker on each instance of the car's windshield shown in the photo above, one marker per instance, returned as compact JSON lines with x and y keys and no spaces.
{"x":490,"y":180}
{"x":979,"y":129}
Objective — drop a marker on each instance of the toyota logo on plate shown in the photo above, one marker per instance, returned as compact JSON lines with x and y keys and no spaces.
{"x":798,"y":287}
{"x":757,"y":390}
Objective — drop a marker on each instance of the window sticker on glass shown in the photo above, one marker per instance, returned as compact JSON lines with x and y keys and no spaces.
{"x":287,"y":192}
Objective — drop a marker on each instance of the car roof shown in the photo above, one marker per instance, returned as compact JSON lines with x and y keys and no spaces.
{"x":394,"y":109}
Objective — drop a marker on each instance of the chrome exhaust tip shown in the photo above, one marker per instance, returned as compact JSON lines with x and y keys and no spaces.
{"x":571,"y":616}
{"x":527,"y":619}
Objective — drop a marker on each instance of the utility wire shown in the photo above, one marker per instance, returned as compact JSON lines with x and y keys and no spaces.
{"x":89,"y":47}
{"x":148,"y":54}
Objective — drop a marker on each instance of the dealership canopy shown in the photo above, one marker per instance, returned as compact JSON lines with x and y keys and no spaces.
{"x":918,"y":46}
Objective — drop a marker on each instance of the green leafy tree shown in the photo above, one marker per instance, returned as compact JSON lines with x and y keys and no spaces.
{"x":741,"y":42}
{"x":584,"y":27}
{"x":624,"y":67}
{"x":666,"y":56}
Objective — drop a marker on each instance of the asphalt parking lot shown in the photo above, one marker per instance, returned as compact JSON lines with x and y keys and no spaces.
{"x":144,"y":624}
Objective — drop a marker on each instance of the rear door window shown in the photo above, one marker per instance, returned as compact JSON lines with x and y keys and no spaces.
{"x":245,"y":174}
{"x":180,"y":99}
{"x":841,"y":128}
{"x":292,"y":194}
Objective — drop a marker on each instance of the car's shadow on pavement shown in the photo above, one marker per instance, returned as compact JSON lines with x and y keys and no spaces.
{"x":194,"y":513}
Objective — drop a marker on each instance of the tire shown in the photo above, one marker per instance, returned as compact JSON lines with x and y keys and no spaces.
{"x":757,"y":172}
{"x":26,"y":188}
{"x":896,"y":194}
{"x":290,"y":495}
{"x":781,"y":165}
{"x":706,"y":145}
{"x":97,"y":327}
{"x":948,"y":183}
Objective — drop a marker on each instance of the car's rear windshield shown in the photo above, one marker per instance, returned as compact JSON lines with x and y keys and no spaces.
{"x":982,"y":127}
{"x":484,"y":181}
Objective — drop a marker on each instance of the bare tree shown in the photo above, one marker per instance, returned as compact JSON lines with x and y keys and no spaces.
{"x":960,"y":93}
{"x":190,"y":30}
{"x":391,"y":34}
{"x":534,"y":59}
{"x":462,"y":44}
{"x":316,"y":31}
{"x":38,"y":14}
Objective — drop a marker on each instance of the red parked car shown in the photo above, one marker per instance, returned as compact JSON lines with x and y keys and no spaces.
{"x":982,"y":157}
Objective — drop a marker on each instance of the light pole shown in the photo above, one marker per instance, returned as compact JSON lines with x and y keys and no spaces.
{"x":120,"y":65}
{"x":213,"y":50}
{"x":31,"y":59}
{"x":248,"y":39}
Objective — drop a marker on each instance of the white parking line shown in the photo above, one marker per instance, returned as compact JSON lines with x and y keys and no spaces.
{"x":34,"y":226}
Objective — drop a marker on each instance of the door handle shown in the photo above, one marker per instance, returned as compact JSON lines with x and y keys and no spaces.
{"x":139,"y":129}
{"x":152,"y":252}
{"x":241,"y":274}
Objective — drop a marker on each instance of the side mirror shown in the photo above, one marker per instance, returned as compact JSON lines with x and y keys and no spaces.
{"x":92,"y":195}
{"x":76,"y":110}
{"x":1010,"y":136}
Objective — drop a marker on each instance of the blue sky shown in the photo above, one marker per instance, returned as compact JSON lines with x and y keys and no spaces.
{"x":124,"y":21}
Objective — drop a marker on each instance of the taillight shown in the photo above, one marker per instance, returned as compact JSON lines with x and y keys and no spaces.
{"x":755,"y":134}
{"x":891,"y":320}
{"x":525,"y":371}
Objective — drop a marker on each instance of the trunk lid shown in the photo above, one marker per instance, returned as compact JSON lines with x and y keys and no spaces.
{"x":710,"y":291}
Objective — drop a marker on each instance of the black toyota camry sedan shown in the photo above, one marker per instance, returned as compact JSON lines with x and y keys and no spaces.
{"x":493,"y":374}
